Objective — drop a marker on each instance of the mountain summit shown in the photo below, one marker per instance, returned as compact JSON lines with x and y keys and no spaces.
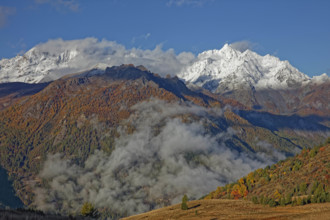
{"x":55,"y":58}
{"x":228,"y":69}
{"x":261,"y":82}
{"x":37,"y":65}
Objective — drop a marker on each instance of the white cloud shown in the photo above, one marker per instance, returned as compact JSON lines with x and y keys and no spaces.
{"x":188,"y":2}
{"x":141,"y":37}
{"x":4,"y":13}
{"x":85,"y":53}
{"x":72,"y":5}
{"x":243,"y":45}
{"x":149,"y":166}
{"x":147,"y":36}
{"x":266,"y":150}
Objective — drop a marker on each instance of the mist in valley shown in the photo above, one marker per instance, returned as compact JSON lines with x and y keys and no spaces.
{"x":164,"y":150}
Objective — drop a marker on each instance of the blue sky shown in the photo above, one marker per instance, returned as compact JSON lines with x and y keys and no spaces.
{"x":294,"y":30}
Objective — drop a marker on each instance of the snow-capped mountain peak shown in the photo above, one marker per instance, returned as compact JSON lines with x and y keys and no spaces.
{"x":56,"y":58}
{"x":228,"y":69}
{"x":36,"y":65}
{"x":224,"y":69}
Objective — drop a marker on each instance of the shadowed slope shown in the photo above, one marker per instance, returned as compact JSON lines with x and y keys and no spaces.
{"x":9,"y":92}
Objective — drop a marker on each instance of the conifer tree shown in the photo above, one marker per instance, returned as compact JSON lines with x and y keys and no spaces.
{"x":255,"y":200}
{"x":288,"y":199}
{"x":299,"y":201}
{"x":184,"y":205}
{"x":88,"y":210}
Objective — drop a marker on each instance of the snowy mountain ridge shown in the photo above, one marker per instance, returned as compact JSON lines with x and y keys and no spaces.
{"x":225,"y":69}
{"x":56,"y":58}
{"x":36,"y":66}
{"x":229,"y":69}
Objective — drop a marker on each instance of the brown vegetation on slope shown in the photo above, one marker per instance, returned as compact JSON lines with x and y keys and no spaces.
{"x":299,"y":180}
{"x":76,"y":115}
{"x":310,"y":99}
{"x":235,"y":209}
{"x":287,"y":182}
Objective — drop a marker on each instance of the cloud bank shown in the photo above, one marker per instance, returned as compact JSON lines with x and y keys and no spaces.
{"x":77,"y":55}
{"x":162,"y":159}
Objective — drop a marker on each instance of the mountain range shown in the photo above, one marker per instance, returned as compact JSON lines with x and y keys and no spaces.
{"x":260,"y":82}
{"x":126,"y":136}
{"x":216,"y":70}
{"x":229,"y":69}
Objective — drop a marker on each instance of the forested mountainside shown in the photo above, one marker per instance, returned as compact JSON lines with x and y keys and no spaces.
{"x":9,"y":92}
{"x":297,"y":180}
{"x":103,"y":131}
{"x":298,"y":186}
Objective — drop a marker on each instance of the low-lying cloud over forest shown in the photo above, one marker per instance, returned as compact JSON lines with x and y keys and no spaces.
{"x":170,"y":152}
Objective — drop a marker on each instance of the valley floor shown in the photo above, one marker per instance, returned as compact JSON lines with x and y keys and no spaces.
{"x":217,"y":209}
